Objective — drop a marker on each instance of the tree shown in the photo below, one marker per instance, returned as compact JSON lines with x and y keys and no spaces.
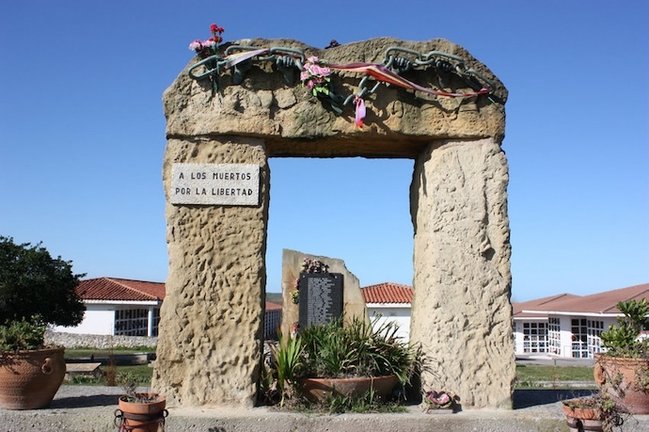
{"x":32,"y":283}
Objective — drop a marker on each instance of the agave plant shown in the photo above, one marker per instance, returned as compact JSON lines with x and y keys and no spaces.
{"x":288,"y":360}
{"x":359,"y":348}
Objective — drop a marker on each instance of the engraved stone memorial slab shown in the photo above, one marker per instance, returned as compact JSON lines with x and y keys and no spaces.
{"x":321,"y":298}
{"x":215,"y":184}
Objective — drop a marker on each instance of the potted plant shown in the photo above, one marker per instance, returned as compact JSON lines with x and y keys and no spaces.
{"x":35,"y":290}
{"x":351,"y":361}
{"x":139,"y":411}
{"x":623,"y":370}
{"x":594,"y":413}
{"x":30,"y":374}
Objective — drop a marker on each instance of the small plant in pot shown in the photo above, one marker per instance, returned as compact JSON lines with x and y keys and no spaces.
{"x":139,"y":411}
{"x":35,"y":290}
{"x":623,"y":370}
{"x":594,"y":413}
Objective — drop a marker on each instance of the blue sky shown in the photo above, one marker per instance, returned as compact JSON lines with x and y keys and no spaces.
{"x":82,"y":134}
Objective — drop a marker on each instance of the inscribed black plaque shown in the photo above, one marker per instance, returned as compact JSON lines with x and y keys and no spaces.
{"x":321,"y":298}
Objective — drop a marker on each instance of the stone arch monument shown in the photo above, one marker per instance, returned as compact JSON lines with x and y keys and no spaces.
{"x":226,"y":125}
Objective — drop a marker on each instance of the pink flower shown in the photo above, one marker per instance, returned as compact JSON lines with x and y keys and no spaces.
{"x":209,"y":43}
{"x":196,"y":45}
{"x":438,"y":398}
{"x":295,"y":329}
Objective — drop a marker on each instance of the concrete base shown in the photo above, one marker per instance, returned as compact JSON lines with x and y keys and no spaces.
{"x":91,"y":408}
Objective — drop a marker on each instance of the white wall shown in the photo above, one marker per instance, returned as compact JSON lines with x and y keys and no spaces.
{"x":566,"y":330}
{"x":98,"y":319}
{"x":518,"y":337}
{"x":397,"y":314}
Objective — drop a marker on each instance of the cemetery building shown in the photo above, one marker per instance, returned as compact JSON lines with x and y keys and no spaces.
{"x":389,"y":302}
{"x":568,"y":325}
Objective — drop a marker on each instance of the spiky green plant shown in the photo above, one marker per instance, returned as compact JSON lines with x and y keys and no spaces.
{"x":288,"y":359}
{"x":357,"y":349}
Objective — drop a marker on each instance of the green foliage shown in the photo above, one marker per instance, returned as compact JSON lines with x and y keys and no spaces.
{"x":609,"y":413}
{"x":364,"y":404}
{"x":22,"y":335}
{"x":621,"y":340}
{"x":128,"y":382}
{"x":336,"y":351}
{"x":288,"y":360}
{"x":34,"y":283}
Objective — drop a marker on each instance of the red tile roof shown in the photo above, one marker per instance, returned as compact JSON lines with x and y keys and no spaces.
{"x":604,"y":302}
{"x":387,"y":292}
{"x":116,"y":289}
{"x":270,"y":306}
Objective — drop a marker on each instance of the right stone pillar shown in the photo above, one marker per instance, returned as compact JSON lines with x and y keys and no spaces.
{"x":461,"y":310}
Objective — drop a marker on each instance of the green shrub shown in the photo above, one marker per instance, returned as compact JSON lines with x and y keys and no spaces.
{"x":22,"y":335}
{"x":621,"y":340}
{"x":356,"y":349}
{"x":33,"y":283}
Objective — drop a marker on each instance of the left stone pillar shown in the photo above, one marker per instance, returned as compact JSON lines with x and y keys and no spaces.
{"x":211,"y":321}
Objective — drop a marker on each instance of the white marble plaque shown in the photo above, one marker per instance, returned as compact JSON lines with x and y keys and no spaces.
{"x":215,"y":184}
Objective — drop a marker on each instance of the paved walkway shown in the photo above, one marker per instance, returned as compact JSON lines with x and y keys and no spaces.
{"x":91,"y":408}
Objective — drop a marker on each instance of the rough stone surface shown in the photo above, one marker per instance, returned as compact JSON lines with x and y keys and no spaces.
{"x":210,"y":334}
{"x":293,"y":122}
{"x":461,"y":312}
{"x":209,"y":347}
{"x":73,"y":340}
{"x":353,"y":301}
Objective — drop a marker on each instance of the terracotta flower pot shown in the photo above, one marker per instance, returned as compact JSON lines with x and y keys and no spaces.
{"x":30,"y":379}
{"x":623,"y":379}
{"x":582,"y":418}
{"x":143,"y":416}
{"x":319,"y":389}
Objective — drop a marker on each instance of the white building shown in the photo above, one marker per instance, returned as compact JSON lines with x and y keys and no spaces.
{"x":390,"y":302}
{"x":126,"y":307}
{"x":567,"y":325}
{"x":119,"y":307}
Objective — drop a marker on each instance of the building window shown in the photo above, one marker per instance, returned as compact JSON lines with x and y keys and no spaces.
{"x":156,"y":321}
{"x":131,"y":322}
{"x":554,"y":335}
{"x":535,"y":337}
{"x":595,"y":329}
{"x":579,"y":327}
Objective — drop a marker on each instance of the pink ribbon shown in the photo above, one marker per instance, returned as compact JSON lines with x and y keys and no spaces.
{"x":360,"y":111}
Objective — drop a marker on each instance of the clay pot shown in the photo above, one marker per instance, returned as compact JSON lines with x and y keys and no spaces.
{"x":319,"y":389}
{"x":143,"y":416}
{"x":582,"y":418}
{"x":30,"y":379}
{"x":620,"y":378}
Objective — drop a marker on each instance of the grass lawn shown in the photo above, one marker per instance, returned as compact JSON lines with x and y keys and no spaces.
{"x":87,"y":352}
{"x":141,"y":374}
{"x":528,"y":375}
